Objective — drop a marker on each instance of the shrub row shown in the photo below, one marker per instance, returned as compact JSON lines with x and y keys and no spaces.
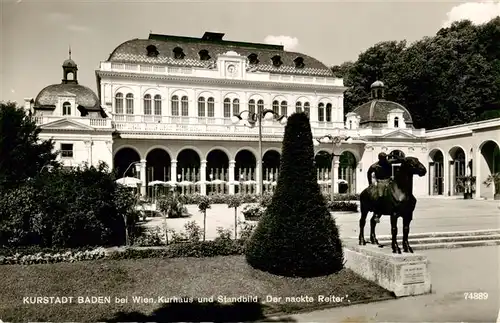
{"x":252,"y":198}
{"x":47,"y":258}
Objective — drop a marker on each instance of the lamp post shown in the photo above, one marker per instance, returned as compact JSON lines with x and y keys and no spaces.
{"x":137,"y":167}
{"x":252,"y":119}
{"x":336,"y":142}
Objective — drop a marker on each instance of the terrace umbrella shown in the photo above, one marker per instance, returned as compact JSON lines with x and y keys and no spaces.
{"x":129,"y":181}
{"x":217,"y":181}
{"x":155,"y":183}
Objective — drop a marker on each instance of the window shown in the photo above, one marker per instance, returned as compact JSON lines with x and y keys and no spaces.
{"x":158,"y":105}
{"x":236,"y":106}
{"x":147,"y":105}
{"x":152,"y":51}
{"x":276,"y":107}
{"x":298,"y":107}
{"x":204,"y":56}
{"x":175,"y":105}
{"x":306,"y":108}
{"x":329,"y":112}
{"x":201,"y":106}
{"x":66,"y":109}
{"x":321,"y":112}
{"x":227,"y":108}
{"x":276,"y":59}
{"x":251,"y":106}
{"x":210,"y":107}
{"x":67,"y":150}
{"x":252,"y":58}
{"x":178,"y":53}
{"x":284,"y":108}
{"x":260,"y":106}
{"x":350,"y":124}
{"x":299,"y":62}
{"x":129,"y":103}
{"x":396,"y":122}
{"x":184,"y":106}
{"x":119,"y":103}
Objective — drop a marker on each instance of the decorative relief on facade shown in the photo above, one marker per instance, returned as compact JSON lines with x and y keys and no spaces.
{"x":384,"y":148}
{"x":231,"y":69}
{"x":424,"y":149}
{"x":368,"y":148}
{"x":411,"y":149}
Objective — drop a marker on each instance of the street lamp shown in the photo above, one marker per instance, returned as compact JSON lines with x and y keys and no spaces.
{"x":137,"y":167}
{"x":336,"y":141}
{"x":252,"y":118}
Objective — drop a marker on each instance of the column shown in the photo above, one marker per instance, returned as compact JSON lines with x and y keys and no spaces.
{"x":476,"y":164}
{"x":431,"y":178}
{"x":232,"y":166}
{"x":358,"y":178}
{"x":203,"y":177}
{"x":143,"y":177}
{"x":335,"y":178}
{"x":173,"y":171}
{"x":88,"y":145}
{"x":257,"y":175}
{"x":446,"y":177}
{"x":451,"y":170}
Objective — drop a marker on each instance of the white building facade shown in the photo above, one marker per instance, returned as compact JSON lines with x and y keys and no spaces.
{"x":165,"y":103}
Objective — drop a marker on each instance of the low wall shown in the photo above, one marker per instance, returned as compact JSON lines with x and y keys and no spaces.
{"x":404,"y":274}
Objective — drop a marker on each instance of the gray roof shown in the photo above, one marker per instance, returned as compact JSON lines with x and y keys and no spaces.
{"x":85,"y":97}
{"x":134,"y":51}
{"x":377,"y":111}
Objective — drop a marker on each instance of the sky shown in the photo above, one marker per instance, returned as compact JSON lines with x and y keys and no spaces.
{"x":35,"y":34}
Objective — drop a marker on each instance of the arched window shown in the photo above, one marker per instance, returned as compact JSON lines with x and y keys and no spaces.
{"x":158,"y":105}
{"x":129,"y":103}
{"x":227,"y":108}
{"x":66,"y":109}
{"x":396,"y":122}
{"x":321,"y":112}
{"x":260,"y":106}
{"x":276,"y":107}
{"x":284,"y":108}
{"x":201,"y":106}
{"x":175,"y":105}
{"x":119,"y":103}
{"x":184,"y":106}
{"x":298,"y":107}
{"x":307,"y":108}
{"x":328,"y":112}
{"x":350,"y":124}
{"x":236,"y":106}
{"x":147,"y":105}
{"x":251,"y":106}
{"x":210,"y":107}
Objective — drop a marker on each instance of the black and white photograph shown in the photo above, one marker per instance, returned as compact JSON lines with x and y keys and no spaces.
{"x":249,"y":161}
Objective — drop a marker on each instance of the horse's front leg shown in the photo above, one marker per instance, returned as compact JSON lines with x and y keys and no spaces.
{"x":406,"y":231}
{"x":362,"y":222}
{"x":373,"y":224}
{"x":394,"y":232}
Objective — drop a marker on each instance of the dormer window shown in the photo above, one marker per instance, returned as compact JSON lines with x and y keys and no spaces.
{"x":178,"y":53}
{"x":277,"y":60}
{"x":396,"y":122}
{"x":299,"y":62}
{"x":66,"y":109}
{"x":152,"y":51}
{"x":204,"y":56}
{"x":253,"y":59}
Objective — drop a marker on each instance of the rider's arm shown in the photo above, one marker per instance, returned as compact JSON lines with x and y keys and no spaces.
{"x":370,"y":172}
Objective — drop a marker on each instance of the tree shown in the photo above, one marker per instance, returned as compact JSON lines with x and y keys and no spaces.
{"x":23,"y":153}
{"x":235,"y":202}
{"x":296,"y":236}
{"x":203,"y":206}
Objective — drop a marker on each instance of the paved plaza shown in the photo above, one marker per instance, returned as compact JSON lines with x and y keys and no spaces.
{"x":431,"y":215}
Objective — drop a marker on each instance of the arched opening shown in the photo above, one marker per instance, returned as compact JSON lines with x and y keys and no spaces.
{"x":188,"y":171}
{"x":244,"y":172}
{"x":323,"y":163}
{"x":457,"y":170}
{"x":347,"y":173}
{"x":217,"y":172}
{"x":157,"y":169}
{"x":396,"y":122}
{"x":436,"y":178}
{"x":123,"y":162}
{"x":70,"y":76}
{"x":489,"y":165}
{"x":271,"y":166}
{"x":66,"y":109}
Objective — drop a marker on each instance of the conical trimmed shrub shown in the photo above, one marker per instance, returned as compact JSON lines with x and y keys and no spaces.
{"x":297,"y":236}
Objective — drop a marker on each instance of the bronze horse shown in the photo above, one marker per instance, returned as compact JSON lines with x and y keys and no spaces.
{"x":397,"y":201}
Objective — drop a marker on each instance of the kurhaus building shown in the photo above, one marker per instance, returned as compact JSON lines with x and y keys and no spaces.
{"x":164,"y":109}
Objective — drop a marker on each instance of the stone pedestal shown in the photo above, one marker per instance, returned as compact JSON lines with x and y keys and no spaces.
{"x":404,"y":274}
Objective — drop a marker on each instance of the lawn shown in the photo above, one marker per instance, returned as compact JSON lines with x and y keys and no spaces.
{"x":160,"y":279}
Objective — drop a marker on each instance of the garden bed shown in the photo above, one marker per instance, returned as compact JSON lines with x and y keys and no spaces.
{"x":159,"y":279}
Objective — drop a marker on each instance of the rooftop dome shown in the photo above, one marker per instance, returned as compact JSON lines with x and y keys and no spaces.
{"x":69,"y":63}
{"x":374,"y":113}
{"x":85,"y":97}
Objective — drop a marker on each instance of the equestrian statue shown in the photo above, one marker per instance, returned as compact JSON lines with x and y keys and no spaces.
{"x":391,"y":195}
